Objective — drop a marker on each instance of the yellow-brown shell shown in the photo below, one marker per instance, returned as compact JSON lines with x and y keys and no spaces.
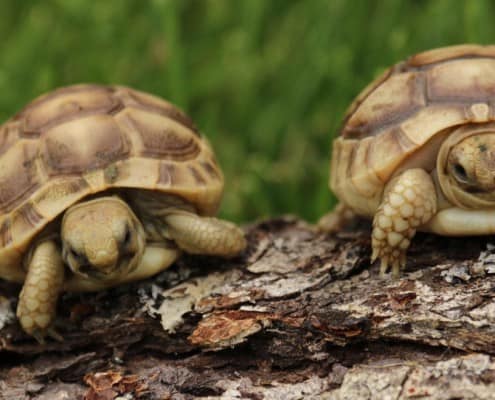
{"x":405,"y":111}
{"x":84,"y":139}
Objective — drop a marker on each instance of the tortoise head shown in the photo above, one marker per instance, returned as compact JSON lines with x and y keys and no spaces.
{"x":102,"y":239}
{"x":472,"y":163}
{"x":467,"y":176}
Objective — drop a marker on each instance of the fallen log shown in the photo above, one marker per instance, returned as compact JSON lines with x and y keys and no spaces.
{"x":300,"y":314}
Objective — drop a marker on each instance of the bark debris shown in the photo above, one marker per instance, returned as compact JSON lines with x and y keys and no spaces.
{"x":299,"y":315}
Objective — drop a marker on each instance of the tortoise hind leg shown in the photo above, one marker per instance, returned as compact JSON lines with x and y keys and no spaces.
{"x":409,"y":201}
{"x":204,"y":235}
{"x":336,"y":220}
{"x":38,"y":298}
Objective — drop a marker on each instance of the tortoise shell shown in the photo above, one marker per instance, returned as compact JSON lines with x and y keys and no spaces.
{"x":85,"y":139}
{"x":409,"y":109}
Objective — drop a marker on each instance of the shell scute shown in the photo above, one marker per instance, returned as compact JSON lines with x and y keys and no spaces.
{"x":400,"y":94}
{"x":132,"y":98}
{"x":431,"y":120}
{"x":83,"y":144}
{"x":25,"y":219}
{"x":18,"y":175}
{"x":66,"y":105}
{"x":462,"y":80}
{"x":60,"y":193}
{"x":162,"y":137}
{"x":385,"y":153}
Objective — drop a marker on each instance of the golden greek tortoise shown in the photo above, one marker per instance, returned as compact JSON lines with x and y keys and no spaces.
{"x":110,"y":182}
{"x":417,"y":152}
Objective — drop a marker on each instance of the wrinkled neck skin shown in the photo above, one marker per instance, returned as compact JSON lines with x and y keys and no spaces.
{"x":102,"y":239}
{"x":466,"y":167}
{"x":152,"y":207}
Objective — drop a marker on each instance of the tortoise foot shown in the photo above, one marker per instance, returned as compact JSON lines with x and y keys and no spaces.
{"x":409,"y":202}
{"x":38,"y":299}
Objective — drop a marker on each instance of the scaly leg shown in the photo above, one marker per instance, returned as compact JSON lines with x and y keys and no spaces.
{"x":337,"y":219}
{"x":204,"y":235}
{"x":409,"y":201}
{"x":38,"y":299}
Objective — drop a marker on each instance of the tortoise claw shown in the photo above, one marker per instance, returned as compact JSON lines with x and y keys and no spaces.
{"x":51,"y":332}
{"x":40,"y":335}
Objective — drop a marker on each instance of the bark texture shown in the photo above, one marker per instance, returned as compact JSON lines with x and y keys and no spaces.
{"x":301,"y":315}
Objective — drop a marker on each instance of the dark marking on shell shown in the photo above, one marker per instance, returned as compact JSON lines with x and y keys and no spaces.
{"x":167,"y":174}
{"x":8,"y":134}
{"x":5,"y":233}
{"x":29,"y":216}
{"x":210,"y":169}
{"x":166,"y":143}
{"x":18,"y":177}
{"x":118,"y":108}
{"x":198,"y":178}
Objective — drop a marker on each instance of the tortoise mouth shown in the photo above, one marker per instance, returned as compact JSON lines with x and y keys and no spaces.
{"x":126,"y":263}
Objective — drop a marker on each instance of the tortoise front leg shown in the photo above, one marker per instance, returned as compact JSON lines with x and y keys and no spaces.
{"x":38,"y":299}
{"x":204,"y":235}
{"x":409,"y":201}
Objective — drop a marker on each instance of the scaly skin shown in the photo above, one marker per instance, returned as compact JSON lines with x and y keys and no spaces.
{"x":204,"y":235}
{"x":409,"y":202}
{"x":38,"y":299}
{"x":337,"y":219}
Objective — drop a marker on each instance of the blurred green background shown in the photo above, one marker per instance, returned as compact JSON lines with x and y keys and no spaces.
{"x":268,"y":81}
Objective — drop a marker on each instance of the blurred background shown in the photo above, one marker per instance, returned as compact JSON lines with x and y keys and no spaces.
{"x":268,"y":81}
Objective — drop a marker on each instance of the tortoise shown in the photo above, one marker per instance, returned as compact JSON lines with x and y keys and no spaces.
{"x":416,"y":151}
{"x":99,"y":186}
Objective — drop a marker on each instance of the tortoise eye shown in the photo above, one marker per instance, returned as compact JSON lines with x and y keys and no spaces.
{"x":79,"y":257}
{"x":460,"y":173}
{"x":127,"y":236}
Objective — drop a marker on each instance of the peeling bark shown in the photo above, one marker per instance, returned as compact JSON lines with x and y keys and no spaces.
{"x":300,"y":315}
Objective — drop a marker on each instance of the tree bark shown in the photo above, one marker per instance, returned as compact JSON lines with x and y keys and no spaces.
{"x":300,"y":315}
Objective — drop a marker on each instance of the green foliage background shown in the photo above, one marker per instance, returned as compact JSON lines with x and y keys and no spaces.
{"x":267,"y":80}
